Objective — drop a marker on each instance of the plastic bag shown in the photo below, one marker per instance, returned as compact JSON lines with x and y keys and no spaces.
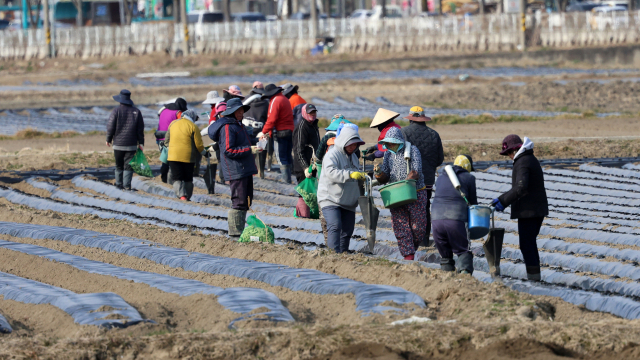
{"x":140,"y":165}
{"x":256,"y":230}
{"x":164,"y":155}
{"x":262,"y":144}
{"x":308,"y":189}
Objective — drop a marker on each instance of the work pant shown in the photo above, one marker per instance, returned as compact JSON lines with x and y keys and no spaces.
{"x":123,"y":158}
{"x":284,"y":150}
{"x":182,"y":175}
{"x":410,"y":224}
{"x":241,"y":193}
{"x":340,"y":225}
{"x":528,"y":229}
{"x":452,"y":237}
{"x":123,"y":172}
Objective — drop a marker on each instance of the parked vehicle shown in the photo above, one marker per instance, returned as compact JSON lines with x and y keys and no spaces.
{"x":393,"y":11}
{"x":360,"y":14}
{"x":582,"y":6}
{"x":200,"y":18}
{"x":609,"y":18}
{"x":305,"y":16}
{"x":249,"y":17}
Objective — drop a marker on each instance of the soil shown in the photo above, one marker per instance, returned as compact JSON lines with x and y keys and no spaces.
{"x":326,"y":327}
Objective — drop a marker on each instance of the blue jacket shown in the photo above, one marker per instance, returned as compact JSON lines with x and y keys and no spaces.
{"x":236,"y":160}
{"x":447,"y":203}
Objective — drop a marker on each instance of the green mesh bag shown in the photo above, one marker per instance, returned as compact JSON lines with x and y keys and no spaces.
{"x":256,"y":230}
{"x":140,"y":165}
{"x":308,"y":189}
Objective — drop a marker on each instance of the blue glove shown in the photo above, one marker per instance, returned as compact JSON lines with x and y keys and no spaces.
{"x":496,"y":203}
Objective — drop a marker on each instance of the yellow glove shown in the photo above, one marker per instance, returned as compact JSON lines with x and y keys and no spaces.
{"x":356,"y":175}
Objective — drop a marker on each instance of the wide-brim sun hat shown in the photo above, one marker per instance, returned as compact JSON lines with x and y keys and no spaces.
{"x":382,"y":116}
{"x":510,"y":143}
{"x":271,"y":90}
{"x":335,"y":122}
{"x":233,"y":105}
{"x":416,"y":113}
{"x":124,"y":97}
{"x":234,"y":90}
{"x":290,"y":90}
{"x":213,"y":98}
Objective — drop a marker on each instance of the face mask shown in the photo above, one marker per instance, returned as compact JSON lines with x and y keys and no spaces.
{"x":393,"y":152}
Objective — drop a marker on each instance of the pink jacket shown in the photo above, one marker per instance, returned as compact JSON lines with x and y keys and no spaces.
{"x":166,"y":118}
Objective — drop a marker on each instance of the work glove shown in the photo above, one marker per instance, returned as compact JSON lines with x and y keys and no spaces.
{"x":372,"y":149}
{"x":370,"y":156}
{"x":307,"y":173}
{"x":496,"y":203}
{"x":205,"y":153}
{"x":413,"y":175}
{"x":356,"y":175}
{"x":256,"y":150}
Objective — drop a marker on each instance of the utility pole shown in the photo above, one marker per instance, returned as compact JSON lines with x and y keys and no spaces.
{"x":47,"y":27}
{"x":185,"y":26}
{"x":314,"y":20}
{"x":523,"y":28}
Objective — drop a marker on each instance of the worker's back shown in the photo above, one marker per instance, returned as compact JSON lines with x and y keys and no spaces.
{"x":447,"y":203}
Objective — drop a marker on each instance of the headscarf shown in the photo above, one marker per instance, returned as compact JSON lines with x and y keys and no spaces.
{"x":220,"y":108}
{"x":190,"y":115}
{"x":394,"y":136}
{"x":463,"y":162}
{"x":309,"y":117}
{"x":336,"y":120}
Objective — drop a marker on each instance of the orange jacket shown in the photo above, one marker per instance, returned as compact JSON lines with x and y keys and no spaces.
{"x":280,"y":115}
{"x":296,"y":100}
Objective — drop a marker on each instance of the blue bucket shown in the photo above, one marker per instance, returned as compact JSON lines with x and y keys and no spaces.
{"x":479,"y":221}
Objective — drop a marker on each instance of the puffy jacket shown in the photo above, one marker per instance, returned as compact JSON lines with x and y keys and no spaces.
{"x":236,"y":160}
{"x":259,"y":110}
{"x":296,"y":100}
{"x":428,"y":142}
{"x":336,"y":187}
{"x":125,"y":126}
{"x":305,"y":134}
{"x":280,"y":114}
{"x":447,"y":204}
{"x":167,"y":116}
{"x":527,"y":197}
{"x":395,"y":166}
{"x":184,"y":141}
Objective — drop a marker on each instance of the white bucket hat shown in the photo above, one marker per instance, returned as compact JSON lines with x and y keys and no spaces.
{"x":212,"y":98}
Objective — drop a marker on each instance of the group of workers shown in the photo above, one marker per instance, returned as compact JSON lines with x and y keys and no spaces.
{"x":276,"y":120}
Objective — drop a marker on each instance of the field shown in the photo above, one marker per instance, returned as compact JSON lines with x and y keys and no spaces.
{"x":89,"y":271}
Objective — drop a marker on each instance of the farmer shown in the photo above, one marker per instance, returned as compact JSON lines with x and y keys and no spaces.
{"x":169,"y":113}
{"x":236,"y":161}
{"x":231,"y":93}
{"x":259,"y":111}
{"x":291,"y":92}
{"x":450,"y":216}
{"x":428,"y":142}
{"x":280,"y":119}
{"x":527,"y":197}
{"x":213,"y":99}
{"x":306,"y":140}
{"x":125,"y":129}
{"x":383,"y":121}
{"x":338,"y":189}
{"x":409,"y":221}
{"x":329,"y":136}
{"x":184,"y":143}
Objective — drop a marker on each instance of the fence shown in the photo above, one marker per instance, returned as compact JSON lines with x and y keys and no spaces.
{"x":492,"y":32}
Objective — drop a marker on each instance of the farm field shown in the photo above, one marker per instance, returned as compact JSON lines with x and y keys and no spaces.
{"x":90,"y":271}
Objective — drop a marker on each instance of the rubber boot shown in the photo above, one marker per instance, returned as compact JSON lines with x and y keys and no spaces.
{"x":285,"y":170}
{"x":126,"y":179}
{"x":236,"y":221}
{"x":262,"y":157}
{"x":119,"y":174}
{"x":533,"y":273}
{"x":269,"y":162}
{"x":210,"y":178}
{"x":465,"y":263}
{"x":164,"y":172}
{"x":188,"y":187}
{"x":179,"y":189}
{"x":447,"y":264}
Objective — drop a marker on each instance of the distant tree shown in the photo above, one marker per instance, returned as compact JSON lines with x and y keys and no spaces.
{"x":79,"y":17}
{"x":35,"y":18}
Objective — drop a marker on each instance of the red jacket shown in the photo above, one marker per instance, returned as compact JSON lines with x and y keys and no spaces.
{"x":383,"y":133}
{"x":280,"y":115}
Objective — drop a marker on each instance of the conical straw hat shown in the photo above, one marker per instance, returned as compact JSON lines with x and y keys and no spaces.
{"x":382,"y":116}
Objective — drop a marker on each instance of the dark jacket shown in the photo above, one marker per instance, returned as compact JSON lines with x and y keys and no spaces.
{"x":125,"y":126}
{"x":527,"y":197}
{"x":297,"y":114}
{"x":447,"y":204}
{"x":428,"y":142}
{"x":236,"y":160}
{"x":259,"y":111}
{"x":304,"y":135}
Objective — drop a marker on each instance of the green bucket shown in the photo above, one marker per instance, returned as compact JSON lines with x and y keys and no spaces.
{"x":399,"y":193}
